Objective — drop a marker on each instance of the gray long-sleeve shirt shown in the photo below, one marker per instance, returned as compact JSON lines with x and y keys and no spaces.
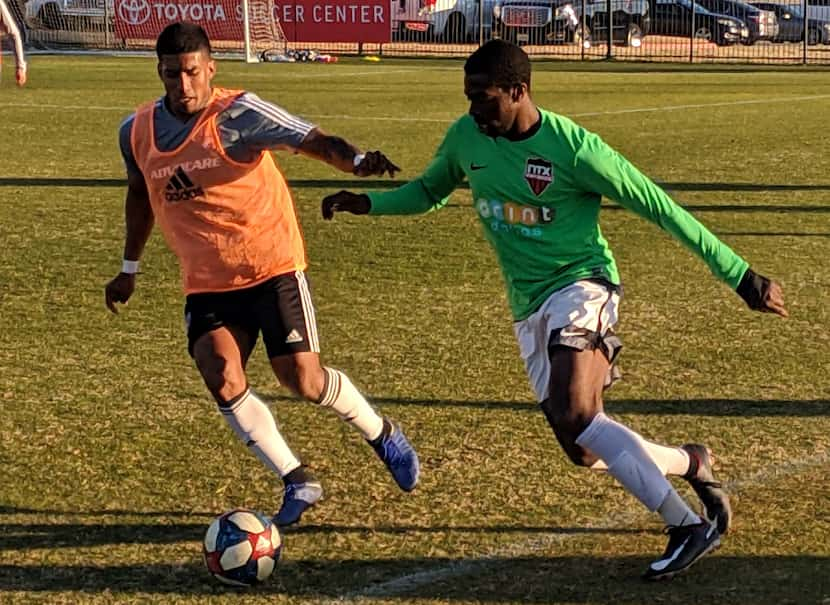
{"x":246,"y":128}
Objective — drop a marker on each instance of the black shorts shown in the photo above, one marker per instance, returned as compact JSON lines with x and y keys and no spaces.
{"x":280,"y":308}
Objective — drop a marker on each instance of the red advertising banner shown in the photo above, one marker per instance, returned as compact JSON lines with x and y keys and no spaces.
{"x":301,"y":20}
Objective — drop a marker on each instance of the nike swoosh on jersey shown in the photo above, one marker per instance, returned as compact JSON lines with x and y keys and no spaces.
{"x":474,"y":166}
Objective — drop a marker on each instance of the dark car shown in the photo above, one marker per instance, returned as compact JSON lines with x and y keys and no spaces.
{"x":791,"y":24}
{"x":762,"y":24}
{"x":674,"y":18}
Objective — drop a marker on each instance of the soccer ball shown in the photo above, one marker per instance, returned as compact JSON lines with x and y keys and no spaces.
{"x":241,"y":547}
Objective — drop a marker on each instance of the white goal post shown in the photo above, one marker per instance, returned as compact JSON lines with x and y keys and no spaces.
{"x":240,"y":27}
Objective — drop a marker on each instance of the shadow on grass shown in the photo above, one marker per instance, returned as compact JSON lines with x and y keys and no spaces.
{"x":774,"y":234}
{"x":389,"y":183}
{"x":692,"y":407}
{"x":22,"y":536}
{"x":527,"y":579}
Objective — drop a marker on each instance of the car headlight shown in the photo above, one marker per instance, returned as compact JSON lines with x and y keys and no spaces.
{"x":726,"y":22}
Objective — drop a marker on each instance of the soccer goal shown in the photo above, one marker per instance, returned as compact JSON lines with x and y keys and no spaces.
{"x":241,"y":27}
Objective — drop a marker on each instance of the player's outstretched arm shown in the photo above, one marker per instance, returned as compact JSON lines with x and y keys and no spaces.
{"x":139,"y":220}
{"x":345,"y":201}
{"x":762,"y":294}
{"x":343,"y":155}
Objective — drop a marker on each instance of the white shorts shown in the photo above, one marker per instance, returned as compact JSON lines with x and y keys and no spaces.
{"x":581,"y":315}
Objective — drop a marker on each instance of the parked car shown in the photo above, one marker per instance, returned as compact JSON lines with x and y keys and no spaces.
{"x":674,"y":18}
{"x":562,"y":21}
{"x":763,"y":25}
{"x":441,"y":20}
{"x":791,"y":24}
{"x":63,"y":14}
{"x":818,"y":10}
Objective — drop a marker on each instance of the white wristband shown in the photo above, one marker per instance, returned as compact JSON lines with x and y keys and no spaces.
{"x":129,"y":266}
{"x":358,"y":158}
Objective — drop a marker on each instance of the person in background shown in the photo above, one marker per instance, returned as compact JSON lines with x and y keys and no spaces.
{"x":8,"y":25}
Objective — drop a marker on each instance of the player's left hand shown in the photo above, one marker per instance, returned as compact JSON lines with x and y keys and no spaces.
{"x":762,"y":294}
{"x":20,"y":75}
{"x":374,"y":163}
{"x":774,"y":300}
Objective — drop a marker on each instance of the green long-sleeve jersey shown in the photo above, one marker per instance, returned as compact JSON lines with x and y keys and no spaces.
{"x":538,"y":200}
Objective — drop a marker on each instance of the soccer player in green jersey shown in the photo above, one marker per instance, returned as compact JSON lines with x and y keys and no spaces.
{"x":537,"y":179}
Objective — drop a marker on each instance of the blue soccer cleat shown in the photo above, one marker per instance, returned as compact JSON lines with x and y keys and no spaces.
{"x":298,"y":498}
{"x":399,"y":457}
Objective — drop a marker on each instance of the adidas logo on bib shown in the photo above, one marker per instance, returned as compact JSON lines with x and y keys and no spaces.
{"x":293,"y":337}
{"x":180,"y":187}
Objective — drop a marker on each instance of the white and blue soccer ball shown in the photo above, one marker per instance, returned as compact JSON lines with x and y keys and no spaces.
{"x":242,"y":547}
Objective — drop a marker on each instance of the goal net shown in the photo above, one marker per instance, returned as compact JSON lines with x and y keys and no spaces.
{"x":247,"y":27}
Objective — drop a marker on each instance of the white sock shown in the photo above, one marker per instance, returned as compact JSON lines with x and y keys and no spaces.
{"x":670,"y":460}
{"x":253,"y":423}
{"x":341,"y":395}
{"x":627,"y":460}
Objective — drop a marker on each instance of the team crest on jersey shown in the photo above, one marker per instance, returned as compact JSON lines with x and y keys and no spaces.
{"x":538,"y":174}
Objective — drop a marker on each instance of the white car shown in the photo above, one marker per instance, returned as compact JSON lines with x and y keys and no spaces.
{"x":68,"y":14}
{"x":442,"y":20}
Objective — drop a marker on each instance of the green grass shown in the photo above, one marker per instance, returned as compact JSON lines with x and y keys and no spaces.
{"x":115,"y":458}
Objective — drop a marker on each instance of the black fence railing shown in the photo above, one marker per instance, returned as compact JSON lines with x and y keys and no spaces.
{"x":730,"y":31}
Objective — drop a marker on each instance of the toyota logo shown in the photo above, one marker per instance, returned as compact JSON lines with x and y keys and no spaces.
{"x":134,"y":12}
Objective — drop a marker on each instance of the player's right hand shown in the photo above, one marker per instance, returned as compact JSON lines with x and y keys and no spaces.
{"x":374,"y":163}
{"x":119,"y":290}
{"x":20,"y":75}
{"x":345,"y":201}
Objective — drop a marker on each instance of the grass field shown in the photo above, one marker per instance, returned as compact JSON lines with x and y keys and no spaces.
{"x":115,"y":459}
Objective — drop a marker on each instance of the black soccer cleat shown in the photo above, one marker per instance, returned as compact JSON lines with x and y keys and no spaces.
{"x":687,"y":544}
{"x":711,"y":493}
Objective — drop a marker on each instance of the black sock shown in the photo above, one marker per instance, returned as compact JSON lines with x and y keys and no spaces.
{"x":694,"y":464}
{"x":298,"y":475}
{"x":384,"y":432}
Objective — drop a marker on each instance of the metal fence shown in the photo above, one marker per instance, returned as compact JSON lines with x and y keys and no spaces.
{"x":728,"y":31}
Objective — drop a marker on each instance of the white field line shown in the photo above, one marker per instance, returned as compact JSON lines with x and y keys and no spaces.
{"x":449,"y":120}
{"x":374,"y":72}
{"x":701,"y":105}
{"x":547,"y":542}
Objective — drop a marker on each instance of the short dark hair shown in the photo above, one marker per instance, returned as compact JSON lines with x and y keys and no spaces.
{"x":182,"y":37}
{"x":505,"y":64}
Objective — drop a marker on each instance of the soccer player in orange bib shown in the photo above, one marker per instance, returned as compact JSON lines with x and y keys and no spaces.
{"x":199,"y":166}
